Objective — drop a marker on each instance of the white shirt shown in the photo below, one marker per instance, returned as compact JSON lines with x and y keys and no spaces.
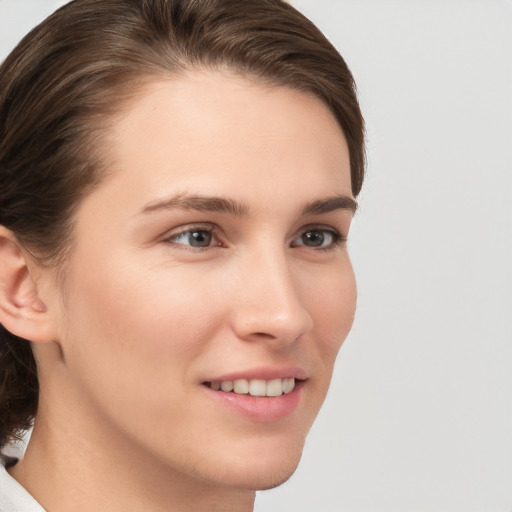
{"x":13,"y":497}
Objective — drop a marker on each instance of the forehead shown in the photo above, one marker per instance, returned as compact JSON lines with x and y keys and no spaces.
{"x":227,"y":135}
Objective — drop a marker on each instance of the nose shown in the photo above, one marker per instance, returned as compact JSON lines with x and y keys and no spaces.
{"x":268,"y":303}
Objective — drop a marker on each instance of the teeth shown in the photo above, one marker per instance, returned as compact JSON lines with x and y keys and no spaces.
{"x":226,"y":385}
{"x":288,"y":385}
{"x":255,"y":387}
{"x":241,"y":386}
{"x":275,"y":387}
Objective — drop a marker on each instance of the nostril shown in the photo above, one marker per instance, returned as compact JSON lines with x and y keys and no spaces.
{"x":264,"y":335}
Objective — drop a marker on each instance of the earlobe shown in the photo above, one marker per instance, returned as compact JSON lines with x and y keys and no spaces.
{"x":22,"y":312}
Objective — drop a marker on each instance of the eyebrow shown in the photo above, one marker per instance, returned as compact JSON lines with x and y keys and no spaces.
{"x":330,"y":204}
{"x":234,"y":207}
{"x":199,"y":203}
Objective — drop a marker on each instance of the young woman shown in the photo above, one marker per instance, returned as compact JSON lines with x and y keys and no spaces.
{"x":177,"y":183}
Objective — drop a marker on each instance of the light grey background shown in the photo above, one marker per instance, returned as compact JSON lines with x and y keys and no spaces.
{"x":419,"y":417}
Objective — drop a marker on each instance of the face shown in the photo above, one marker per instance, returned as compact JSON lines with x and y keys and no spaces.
{"x":213,"y":257}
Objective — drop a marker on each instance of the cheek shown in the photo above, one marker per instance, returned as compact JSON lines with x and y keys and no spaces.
{"x":132,"y":345}
{"x":134,"y":329}
{"x":332,"y":304}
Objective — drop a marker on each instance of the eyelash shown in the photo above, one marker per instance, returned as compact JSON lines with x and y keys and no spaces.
{"x":337,"y":238}
{"x":211,"y":230}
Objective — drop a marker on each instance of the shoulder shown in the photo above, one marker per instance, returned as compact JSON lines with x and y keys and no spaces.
{"x":13,"y":497}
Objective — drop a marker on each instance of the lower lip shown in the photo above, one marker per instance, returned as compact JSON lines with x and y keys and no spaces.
{"x":260,"y":408}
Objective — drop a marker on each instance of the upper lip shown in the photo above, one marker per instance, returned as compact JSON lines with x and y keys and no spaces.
{"x":264,"y":373}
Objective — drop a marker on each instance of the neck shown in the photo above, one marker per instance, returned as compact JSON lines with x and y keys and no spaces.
{"x":68,"y":471}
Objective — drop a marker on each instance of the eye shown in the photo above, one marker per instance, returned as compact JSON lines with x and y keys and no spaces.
{"x":321,"y":238}
{"x":199,"y":238}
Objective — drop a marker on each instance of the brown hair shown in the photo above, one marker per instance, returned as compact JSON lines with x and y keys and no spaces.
{"x":66,"y":79}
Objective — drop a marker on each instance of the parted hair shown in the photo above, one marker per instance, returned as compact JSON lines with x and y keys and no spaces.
{"x":70,"y":75}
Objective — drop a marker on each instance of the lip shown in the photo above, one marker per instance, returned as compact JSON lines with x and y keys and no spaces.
{"x":263,"y":372}
{"x":261,"y":409}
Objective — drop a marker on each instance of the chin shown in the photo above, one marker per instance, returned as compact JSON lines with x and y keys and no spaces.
{"x":258,"y":474}
{"x":265,"y":483}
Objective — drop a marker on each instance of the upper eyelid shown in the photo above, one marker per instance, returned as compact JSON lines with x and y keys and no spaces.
{"x":217,"y":231}
{"x":320,"y":227}
{"x":200,"y":226}
{"x":338,"y":235}
{"x":168,"y":239}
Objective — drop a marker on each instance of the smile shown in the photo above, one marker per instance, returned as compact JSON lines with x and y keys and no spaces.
{"x":254,"y":387}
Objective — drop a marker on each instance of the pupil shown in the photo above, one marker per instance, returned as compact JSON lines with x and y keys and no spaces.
{"x":314,"y":238}
{"x":200,"y":239}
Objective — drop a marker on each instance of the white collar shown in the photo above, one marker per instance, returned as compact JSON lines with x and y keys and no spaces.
{"x":13,"y":496}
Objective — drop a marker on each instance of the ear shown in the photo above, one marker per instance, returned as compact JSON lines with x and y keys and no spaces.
{"x":22,"y":312}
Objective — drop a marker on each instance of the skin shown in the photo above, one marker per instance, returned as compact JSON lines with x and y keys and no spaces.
{"x":125,"y":422}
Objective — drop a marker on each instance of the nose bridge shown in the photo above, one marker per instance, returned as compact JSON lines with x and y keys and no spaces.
{"x":269,"y":304}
